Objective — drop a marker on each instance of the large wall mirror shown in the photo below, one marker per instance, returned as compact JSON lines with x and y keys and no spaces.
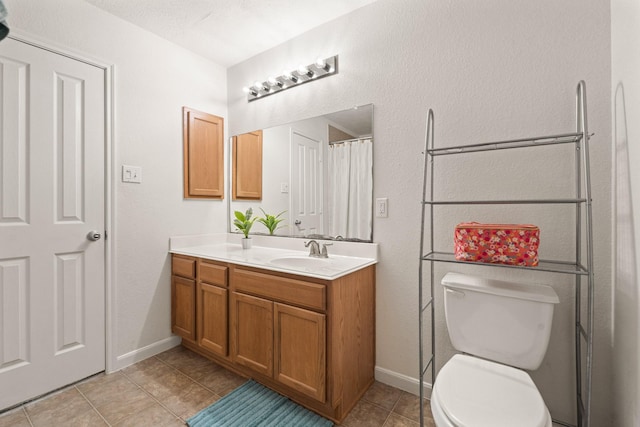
{"x":316,"y":173}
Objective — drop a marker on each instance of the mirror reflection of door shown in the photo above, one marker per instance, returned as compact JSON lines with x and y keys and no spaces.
{"x":247,"y":166}
{"x":306,"y":184}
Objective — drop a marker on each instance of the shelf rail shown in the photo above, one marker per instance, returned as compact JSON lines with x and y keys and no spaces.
{"x":432,"y":359}
{"x":583,"y":273}
{"x":566,"y":138}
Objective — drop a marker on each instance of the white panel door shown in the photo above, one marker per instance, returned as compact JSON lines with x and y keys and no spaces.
{"x":306,"y":184}
{"x":52,"y":278}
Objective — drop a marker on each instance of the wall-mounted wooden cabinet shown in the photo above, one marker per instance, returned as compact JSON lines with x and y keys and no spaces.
{"x":247,"y":166}
{"x":309,"y":339}
{"x":203,"y":146}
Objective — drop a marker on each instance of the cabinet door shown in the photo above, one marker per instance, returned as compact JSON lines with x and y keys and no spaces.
{"x":247,"y":166}
{"x":203,"y":155}
{"x":183,"y":307}
{"x":252,"y":332}
{"x":300,"y":350}
{"x":212,"y":318}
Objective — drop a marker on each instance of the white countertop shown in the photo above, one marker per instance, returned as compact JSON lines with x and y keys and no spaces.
{"x":278,"y":254}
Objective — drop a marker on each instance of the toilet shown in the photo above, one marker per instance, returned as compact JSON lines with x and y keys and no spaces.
{"x":501,"y":328}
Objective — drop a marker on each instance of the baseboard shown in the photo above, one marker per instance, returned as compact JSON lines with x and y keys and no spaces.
{"x":403,"y":382}
{"x":136,"y":356}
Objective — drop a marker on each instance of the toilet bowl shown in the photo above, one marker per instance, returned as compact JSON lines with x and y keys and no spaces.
{"x":474,"y":392}
{"x":501,"y":328}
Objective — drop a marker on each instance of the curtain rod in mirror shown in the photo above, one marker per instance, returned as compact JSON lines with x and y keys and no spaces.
{"x":304,"y":74}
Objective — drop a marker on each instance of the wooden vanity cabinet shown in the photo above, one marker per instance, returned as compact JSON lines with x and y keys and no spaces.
{"x":307,"y":338}
{"x":199,"y":302}
{"x":183,"y":296}
{"x":300,"y":350}
{"x":252,"y":333}
{"x":212,"y":307}
{"x":275,"y":338}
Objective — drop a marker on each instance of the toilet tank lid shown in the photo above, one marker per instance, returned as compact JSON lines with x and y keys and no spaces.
{"x":511,"y":289}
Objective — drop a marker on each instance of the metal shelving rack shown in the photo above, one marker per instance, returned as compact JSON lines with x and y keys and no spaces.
{"x":581,"y":268}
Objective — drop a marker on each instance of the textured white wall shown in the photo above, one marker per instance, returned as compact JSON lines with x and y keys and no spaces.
{"x":625,"y":79}
{"x":154,"y":79}
{"x":491,"y":70}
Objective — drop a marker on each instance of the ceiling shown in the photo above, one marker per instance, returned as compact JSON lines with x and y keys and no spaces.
{"x":228,"y":31}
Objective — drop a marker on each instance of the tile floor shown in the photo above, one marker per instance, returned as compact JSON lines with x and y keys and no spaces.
{"x":166,"y":389}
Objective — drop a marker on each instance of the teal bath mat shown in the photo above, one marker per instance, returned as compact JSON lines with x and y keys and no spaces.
{"x":253,"y":405}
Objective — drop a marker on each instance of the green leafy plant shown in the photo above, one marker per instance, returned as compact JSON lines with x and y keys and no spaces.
{"x":244,"y":222}
{"x":271,"y":221}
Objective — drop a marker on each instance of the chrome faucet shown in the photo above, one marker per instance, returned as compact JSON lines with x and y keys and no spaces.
{"x":314,"y":249}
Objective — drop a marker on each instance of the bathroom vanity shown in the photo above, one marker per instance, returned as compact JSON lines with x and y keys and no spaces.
{"x":302,"y":326}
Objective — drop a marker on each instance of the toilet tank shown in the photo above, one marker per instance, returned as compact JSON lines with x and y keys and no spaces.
{"x":507,"y":322}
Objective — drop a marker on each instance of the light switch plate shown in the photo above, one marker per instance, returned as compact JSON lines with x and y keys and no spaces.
{"x":132,"y":174}
{"x":382,"y":207}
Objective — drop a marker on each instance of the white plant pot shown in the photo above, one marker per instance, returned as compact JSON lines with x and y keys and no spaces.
{"x":246,"y":242}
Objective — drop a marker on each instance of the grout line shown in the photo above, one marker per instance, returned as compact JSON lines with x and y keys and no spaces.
{"x":393,"y":410}
{"x":27,"y":415}
{"x":190,"y":378}
{"x":386,"y":419}
{"x":193,"y":379}
{"x":150,"y":395}
{"x":92,"y":406}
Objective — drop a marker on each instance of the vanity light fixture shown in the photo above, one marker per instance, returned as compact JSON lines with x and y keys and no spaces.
{"x":288,"y":79}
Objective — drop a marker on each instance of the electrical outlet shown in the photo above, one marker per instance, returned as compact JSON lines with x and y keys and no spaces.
{"x":132,"y":174}
{"x":284,"y":187}
{"x":382,"y":206}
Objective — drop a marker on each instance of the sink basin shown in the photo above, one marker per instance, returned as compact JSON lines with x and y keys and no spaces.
{"x":296,"y":262}
{"x":327,"y":267}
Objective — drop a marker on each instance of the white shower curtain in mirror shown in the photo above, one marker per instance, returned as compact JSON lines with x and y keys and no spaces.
{"x":351,"y":189}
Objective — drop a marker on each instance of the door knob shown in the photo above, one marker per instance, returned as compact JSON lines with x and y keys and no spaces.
{"x":93,"y":235}
{"x":297,"y":222}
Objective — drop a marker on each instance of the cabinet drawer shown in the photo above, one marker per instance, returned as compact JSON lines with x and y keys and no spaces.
{"x":183,"y":266}
{"x":211,"y":273}
{"x":282,"y":289}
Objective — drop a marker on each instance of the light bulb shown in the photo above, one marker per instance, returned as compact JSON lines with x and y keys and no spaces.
{"x":289,"y":76}
{"x":249,"y":90}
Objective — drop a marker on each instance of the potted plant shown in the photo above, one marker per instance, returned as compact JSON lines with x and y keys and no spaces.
{"x":244,"y":222}
{"x":271,"y":221}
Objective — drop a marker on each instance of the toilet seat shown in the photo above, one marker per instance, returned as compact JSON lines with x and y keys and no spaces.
{"x":473,"y":392}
